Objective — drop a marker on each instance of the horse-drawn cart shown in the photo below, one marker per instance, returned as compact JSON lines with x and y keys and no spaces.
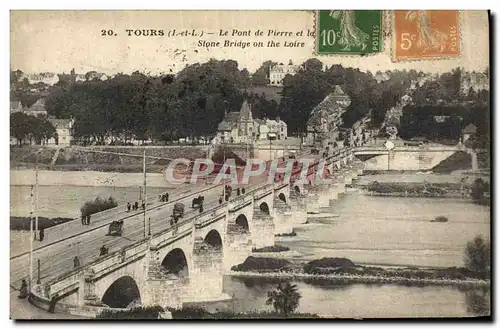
{"x":116,"y":228}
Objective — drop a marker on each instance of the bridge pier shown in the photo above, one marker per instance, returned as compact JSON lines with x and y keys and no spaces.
{"x":206,"y":274}
{"x":312,"y":200}
{"x":283,"y":217}
{"x":163,"y":288}
{"x":263,"y":229}
{"x":238,"y":245}
{"x":299,"y":209}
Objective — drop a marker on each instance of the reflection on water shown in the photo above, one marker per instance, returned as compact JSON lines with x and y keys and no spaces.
{"x":359,"y":300}
{"x":478,"y":301}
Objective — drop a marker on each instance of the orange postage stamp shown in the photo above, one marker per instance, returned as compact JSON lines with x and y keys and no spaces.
{"x":424,"y":34}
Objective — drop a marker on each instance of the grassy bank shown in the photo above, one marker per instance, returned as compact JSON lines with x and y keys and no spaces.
{"x":194,"y":313}
{"x":416,"y":189}
{"x":23,"y":223}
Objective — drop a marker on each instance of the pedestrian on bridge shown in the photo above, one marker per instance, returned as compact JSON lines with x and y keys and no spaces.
{"x":83,"y":219}
{"x":128,"y":206}
{"x":104,"y":251}
{"x":136,"y":205}
{"x":23,"y":291}
{"x":76,"y":262}
{"x":88,"y":220}
{"x":41,"y":235}
{"x":143,"y":206}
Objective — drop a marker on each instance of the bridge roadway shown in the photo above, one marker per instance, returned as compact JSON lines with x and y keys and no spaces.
{"x":86,"y":241}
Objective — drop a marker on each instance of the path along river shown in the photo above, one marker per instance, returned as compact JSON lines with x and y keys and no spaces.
{"x":388,"y":231}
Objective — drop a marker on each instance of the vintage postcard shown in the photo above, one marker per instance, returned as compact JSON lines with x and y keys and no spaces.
{"x":250,"y":164}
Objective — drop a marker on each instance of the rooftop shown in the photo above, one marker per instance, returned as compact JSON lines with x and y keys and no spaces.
{"x":470,"y":129}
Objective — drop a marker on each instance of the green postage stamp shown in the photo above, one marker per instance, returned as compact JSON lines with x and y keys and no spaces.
{"x":356,"y":32}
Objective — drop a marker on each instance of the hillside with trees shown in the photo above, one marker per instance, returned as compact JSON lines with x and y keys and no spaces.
{"x":193,"y":102}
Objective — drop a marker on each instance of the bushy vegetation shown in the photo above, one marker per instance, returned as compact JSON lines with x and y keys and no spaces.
{"x":23,"y":223}
{"x":478,"y":189}
{"x":477,"y":256}
{"x":191,"y":313}
{"x":275,"y":248}
{"x":435,"y":189}
{"x":23,"y":126}
{"x":261,"y":264}
{"x":98,"y":205}
{"x":285,"y":298}
{"x":287,"y":234}
{"x":318,"y":264}
{"x":139,"y":313}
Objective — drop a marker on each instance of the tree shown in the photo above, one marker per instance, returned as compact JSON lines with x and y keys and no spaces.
{"x":478,"y":256}
{"x":285,"y":299}
{"x":24,"y":126}
{"x":478,"y":189}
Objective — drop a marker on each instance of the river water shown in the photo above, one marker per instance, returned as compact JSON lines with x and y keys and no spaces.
{"x":389,"y":231}
{"x":365,"y":229}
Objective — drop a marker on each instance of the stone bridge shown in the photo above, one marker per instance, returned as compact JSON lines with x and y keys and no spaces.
{"x":425,"y":157}
{"x":186,"y":262}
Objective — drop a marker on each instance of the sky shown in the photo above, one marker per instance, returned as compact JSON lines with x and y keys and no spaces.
{"x":57,"y":41}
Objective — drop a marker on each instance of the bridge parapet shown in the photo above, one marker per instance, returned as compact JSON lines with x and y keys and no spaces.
{"x":165,"y":237}
{"x":240,"y":202}
{"x":62,"y":284}
{"x":262,"y":191}
{"x":209,"y":217}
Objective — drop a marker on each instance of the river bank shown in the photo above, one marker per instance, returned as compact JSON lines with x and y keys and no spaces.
{"x":87,"y":178}
{"x":363,"y":279}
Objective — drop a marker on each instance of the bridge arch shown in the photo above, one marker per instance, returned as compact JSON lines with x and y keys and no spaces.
{"x":121,"y":293}
{"x":214,"y":239}
{"x":264,"y":207}
{"x":282,"y":197}
{"x":242,"y":221}
{"x":175,"y":262}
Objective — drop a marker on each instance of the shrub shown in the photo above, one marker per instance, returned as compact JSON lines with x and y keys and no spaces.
{"x":261,"y":263}
{"x":191,"y":312}
{"x":275,"y":248}
{"x":23,"y":223}
{"x":139,"y":313}
{"x":285,"y":299}
{"x":478,"y":256}
{"x":98,"y":205}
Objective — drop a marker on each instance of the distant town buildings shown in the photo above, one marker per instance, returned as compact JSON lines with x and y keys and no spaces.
{"x":326,"y":117}
{"x":241,"y":127}
{"x":475,"y":81}
{"x":64,"y":132}
{"x":64,"y":127}
{"x":47,"y":78}
{"x":264,"y":127}
{"x":468,"y":132}
{"x":37,"y":110}
{"x":278,"y":72}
